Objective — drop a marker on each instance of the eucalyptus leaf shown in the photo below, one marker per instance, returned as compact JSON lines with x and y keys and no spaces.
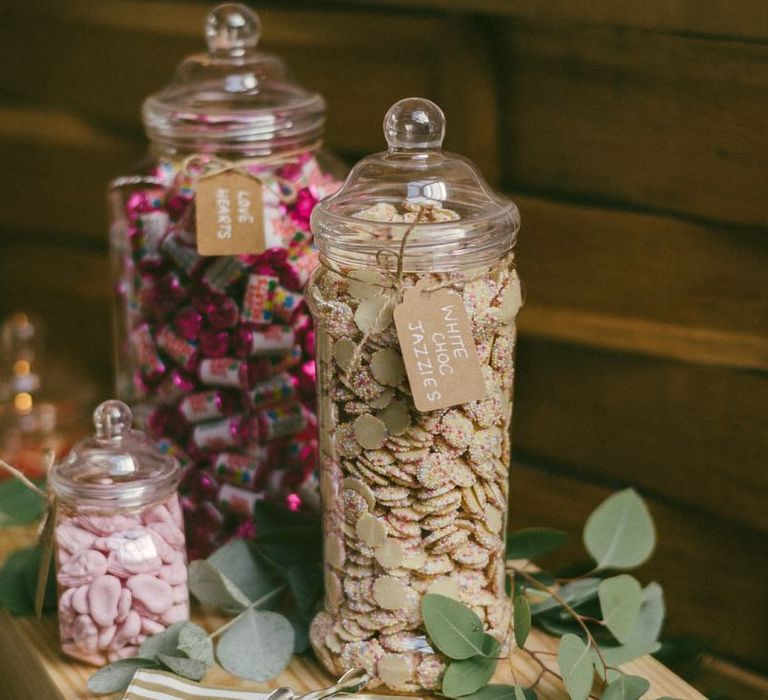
{"x":624,"y":653}
{"x":117,"y":676}
{"x":650,"y":620}
{"x":239,"y":563}
{"x":522,"y":620}
{"x":620,"y":534}
{"x":258,"y":645}
{"x":300,"y":625}
{"x":626,"y":688}
{"x":620,"y":600}
{"x":574,"y":593}
{"x":193,"y":669}
{"x":576,"y":667}
{"x":286,"y":538}
{"x":19,"y":504}
{"x":499,"y":691}
{"x":452,"y":627}
{"x":165,"y":642}
{"x":306,"y":583}
{"x":196,"y":643}
{"x":211,"y":587}
{"x":534,"y":542}
{"x":467,"y":676}
{"x":16,"y":596}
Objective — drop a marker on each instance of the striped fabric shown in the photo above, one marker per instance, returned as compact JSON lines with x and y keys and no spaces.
{"x":159,"y":685}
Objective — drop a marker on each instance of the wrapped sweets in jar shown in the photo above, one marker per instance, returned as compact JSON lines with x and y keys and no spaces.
{"x":121,"y":566}
{"x":211,"y":248}
{"x":414,"y":302}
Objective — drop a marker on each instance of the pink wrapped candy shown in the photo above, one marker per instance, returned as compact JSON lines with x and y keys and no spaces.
{"x":120,"y":545}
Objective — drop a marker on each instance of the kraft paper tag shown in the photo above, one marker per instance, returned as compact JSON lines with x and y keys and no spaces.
{"x":438,"y":349}
{"x":229,"y":213}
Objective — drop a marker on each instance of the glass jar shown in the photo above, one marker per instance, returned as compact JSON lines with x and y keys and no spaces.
{"x":214,"y":345}
{"x":121,"y":566}
{"x":414,"y":412}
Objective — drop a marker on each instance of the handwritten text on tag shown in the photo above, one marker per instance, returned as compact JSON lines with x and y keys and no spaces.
{"x":229,"y":214}
{"x":438,"y":349}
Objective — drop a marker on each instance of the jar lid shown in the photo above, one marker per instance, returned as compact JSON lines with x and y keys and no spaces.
{"x":234,"y":94}
{"x":461,"y":220}
{"x":117,"y":467}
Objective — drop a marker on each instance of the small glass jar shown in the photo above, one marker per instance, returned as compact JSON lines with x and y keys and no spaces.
{"x":215,"y":351}
{"x":121,"y":566}
{"x":414,"y":501}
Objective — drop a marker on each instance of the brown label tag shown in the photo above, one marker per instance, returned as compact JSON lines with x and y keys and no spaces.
{"x":230,"y":220}
{"x":438,"y":349}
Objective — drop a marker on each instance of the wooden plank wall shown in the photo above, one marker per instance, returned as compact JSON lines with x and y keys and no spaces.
{"x":634,"y":141}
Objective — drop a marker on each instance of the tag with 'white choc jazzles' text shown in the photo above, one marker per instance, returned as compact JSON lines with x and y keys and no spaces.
{"x":229,"y":214}
{"x":438,"y":349}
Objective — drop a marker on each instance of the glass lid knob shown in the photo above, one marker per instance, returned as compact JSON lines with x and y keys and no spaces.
{"x":112,"y":419}
{"x":232,"y":30}
{"x":414,"y":124}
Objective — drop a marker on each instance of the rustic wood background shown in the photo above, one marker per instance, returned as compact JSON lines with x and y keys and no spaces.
{"x":633,"y":137}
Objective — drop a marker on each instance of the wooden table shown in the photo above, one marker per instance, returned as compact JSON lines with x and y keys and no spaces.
{"x":32,"y":668}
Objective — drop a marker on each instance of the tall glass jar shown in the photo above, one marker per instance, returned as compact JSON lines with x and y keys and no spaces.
{"x":121,"y":565}
{"x":211,"y":250}
{"x":414,"y":303}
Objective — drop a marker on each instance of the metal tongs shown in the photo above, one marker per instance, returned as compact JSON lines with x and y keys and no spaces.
{"x":353,"y":680}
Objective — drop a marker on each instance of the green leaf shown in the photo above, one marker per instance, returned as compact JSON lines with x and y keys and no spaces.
{"x":620,"y":533}
{"x":196,"y":643}
{"x":237,"y":561}
{"x":117,"y":676}
{"x":300,"y":625}
{"x":19,"y":504}
{"x":624,"y":653}
{"x":452,"y":627}
{"x":211,"y":587}
{"x":650,"y":620}
{"x":16,"y":596}
{"x":306,"y":583}
{"x":165,"y":642}
{"x":286,"y":538}
{"x":522,"y":620}
{"x":469,"y":675}
{"x":574,"y":593}
{"x":193,"y":669}
{"x":534,"y":542}
{"x":499,"y":691}
{"x":626,"y":688}
{"x":576,"y":667}
{"x":620,"y":600}
{"x":257,"y":647}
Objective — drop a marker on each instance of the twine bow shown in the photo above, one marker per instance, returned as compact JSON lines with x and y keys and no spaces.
{"x":199,"y":166}
{"x":45,"y":530}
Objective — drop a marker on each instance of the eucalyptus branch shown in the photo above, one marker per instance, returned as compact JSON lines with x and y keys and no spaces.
{"x":253,"y":606}
{"x":567,"y":607}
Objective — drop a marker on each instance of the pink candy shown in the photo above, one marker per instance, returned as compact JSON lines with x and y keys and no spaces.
{"x":121,"y":578}
{"x":211,"y":340}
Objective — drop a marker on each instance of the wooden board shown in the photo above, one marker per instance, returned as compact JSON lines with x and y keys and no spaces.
{"x":712,"y":571}
{"x":31,"y":665}
{"x":743,"y":20}
{"x":692,"y":434}
{"x":654,"y":121}
{"x":119,"y":51}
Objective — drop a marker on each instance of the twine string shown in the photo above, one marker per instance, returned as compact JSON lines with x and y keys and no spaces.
{"x":198,"y":166}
